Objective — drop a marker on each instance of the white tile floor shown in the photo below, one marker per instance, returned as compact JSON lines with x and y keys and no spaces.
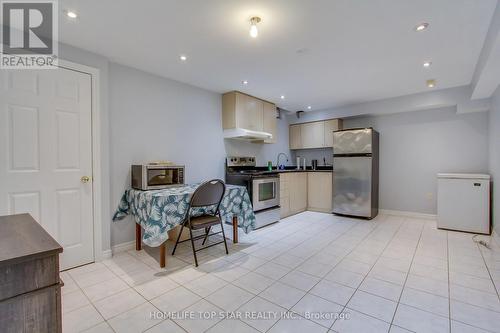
{"x":311,"y":272}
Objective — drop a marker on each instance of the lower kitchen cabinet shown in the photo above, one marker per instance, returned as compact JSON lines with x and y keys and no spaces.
{"x":319,"y":191}
{"x":285,"y":206}
{"x":298,"y":192}
{"x":284,"y":196}
{"x":293,"y":193}
{"x":301,"y":191}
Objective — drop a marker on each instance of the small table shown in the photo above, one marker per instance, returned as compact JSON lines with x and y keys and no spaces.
{"x":159,"y":211}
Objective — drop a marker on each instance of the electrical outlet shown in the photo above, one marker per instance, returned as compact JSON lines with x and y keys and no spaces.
{"x":429,"y":195}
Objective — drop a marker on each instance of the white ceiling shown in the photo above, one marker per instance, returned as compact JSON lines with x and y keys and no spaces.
{"x":352,"y":51}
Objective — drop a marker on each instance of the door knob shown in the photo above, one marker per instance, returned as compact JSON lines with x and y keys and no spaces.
{"x":85,"y":179}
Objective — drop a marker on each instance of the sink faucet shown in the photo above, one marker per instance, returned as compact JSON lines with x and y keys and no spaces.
{"x":278,"y":159}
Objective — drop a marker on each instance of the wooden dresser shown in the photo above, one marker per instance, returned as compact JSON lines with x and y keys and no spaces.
{"x":30,"y":288}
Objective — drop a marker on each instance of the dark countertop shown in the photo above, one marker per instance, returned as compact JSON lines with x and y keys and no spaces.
{"x":307,"y":170}
{"x":294,"y":169}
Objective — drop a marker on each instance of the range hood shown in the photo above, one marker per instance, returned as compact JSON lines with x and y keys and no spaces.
{"x":245,"y":134}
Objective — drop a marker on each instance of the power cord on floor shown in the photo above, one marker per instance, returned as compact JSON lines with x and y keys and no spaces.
{"x":482,"y":241}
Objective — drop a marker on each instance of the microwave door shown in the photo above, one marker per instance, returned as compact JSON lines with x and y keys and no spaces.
{"x":157,"y":177}
{"x":160,"y":178}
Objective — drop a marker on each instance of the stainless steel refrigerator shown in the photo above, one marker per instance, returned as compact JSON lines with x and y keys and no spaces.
{"x":355,"y":172}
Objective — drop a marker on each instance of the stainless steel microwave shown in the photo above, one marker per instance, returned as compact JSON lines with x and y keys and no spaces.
{"x":157,"y":176}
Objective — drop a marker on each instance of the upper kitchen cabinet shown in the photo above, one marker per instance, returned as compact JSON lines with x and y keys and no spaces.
{"x":251,"y":118}
{"x":313,"y":134}
{"x":316,"y":134}
{"x":270,"y":121}
{"x":331,"y":126}
{"x":242,"y":111}
{"x":295,"y":139}
{"x":251,"y":113}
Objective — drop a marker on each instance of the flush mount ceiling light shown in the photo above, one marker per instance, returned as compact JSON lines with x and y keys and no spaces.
{"x":183,"y":57}
{"x":422,"y":26}
{"x":71,"y":14}
{"x":427,"y":64}
{"x":245,"y":82}
{"x":282,"y":96}
{"x":431,"y":83}
{"x":254,"y":32}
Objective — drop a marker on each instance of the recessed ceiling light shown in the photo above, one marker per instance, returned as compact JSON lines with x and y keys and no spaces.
{"x":309,"y":107}
{"x":183,"y":58}
{"x":427,"y":64}
{"x":422,"y":26}
{"x":431,"y":83}
{"x":71,"y":14}
{"x":245,"y":82}
{"x":282,"y":96}
{"x":254,"y":32}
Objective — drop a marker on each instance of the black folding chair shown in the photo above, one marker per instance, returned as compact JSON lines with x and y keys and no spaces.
{"x":207,"y":194}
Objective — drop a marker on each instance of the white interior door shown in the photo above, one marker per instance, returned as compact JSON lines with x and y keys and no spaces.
{"x":45,"y":150}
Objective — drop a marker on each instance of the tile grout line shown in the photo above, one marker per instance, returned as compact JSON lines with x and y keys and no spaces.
{"x":92,"y":303}
{"x":129,"y":287}
{"x":288,"y":310}
{"x":95,"y":308}
{"x":231,"y":282}
{"x":357,"y":223}
{"x":357,"y":244}
{"x":371,"y":268}
{"x":474,"y":289}
{"x":343,"y":257}
{"x":455,"y":283}
{"x":449,"y":283}
{"x":449,"y":286}
{"x":408,"y":273}
{"x":489,"y":272}
{"x":148,"y":301}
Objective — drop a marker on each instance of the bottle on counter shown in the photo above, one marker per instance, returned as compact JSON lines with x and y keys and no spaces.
{"x":314,"y":164}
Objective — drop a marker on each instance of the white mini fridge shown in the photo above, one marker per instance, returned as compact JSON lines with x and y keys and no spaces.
{"x":463,"y":202}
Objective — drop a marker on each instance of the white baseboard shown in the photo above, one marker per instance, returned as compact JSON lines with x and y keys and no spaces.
{"x":106,"y":254}
{"x":122,"y":247}
{"x":407,"y":214}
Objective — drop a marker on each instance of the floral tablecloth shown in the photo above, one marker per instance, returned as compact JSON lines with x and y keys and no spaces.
{"x":158,"y":211}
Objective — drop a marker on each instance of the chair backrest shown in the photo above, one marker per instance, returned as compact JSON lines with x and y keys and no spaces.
{"x":209,"y":193}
